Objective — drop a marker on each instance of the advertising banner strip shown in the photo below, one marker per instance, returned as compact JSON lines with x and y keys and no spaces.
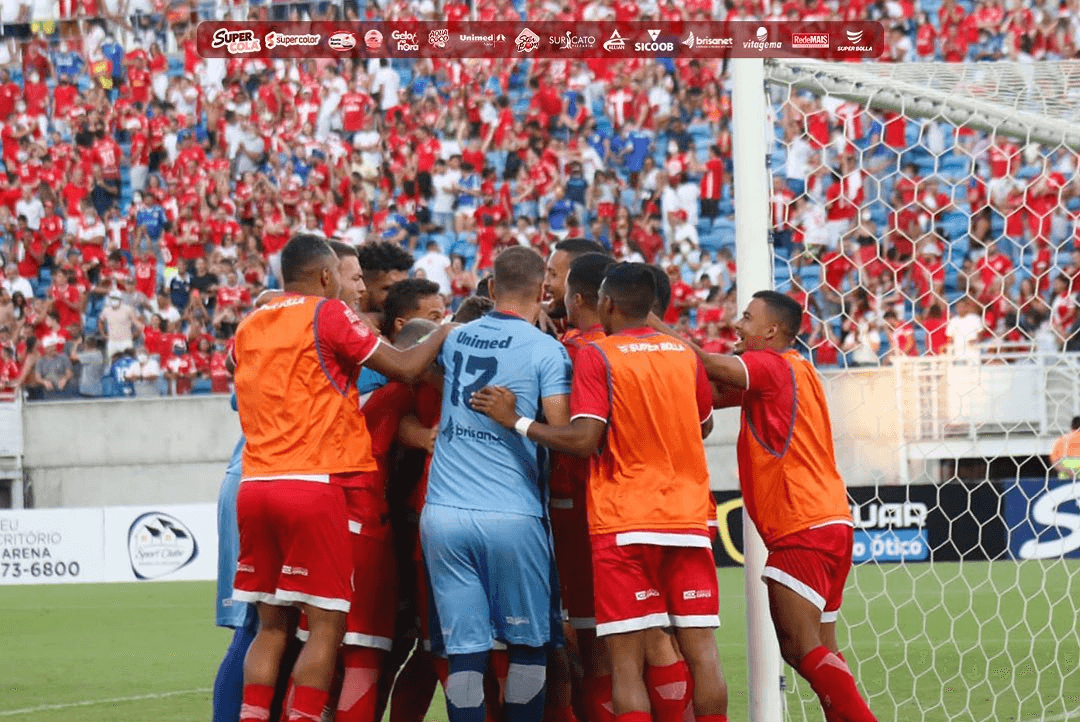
{"x":547,"y":39}
{"x":113,"y":544}
{"x":926,"y":522}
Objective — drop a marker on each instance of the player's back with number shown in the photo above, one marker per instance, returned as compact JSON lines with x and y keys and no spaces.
{"x":478,"y":464}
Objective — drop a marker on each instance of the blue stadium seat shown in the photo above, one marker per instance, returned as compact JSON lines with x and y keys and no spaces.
{"x":954,"y":225}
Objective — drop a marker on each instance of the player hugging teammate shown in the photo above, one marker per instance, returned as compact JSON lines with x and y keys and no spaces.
{"x":426,"y":489}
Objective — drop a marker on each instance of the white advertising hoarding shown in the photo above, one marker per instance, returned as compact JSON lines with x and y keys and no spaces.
{"x":113,"y":544}
{"x":176,"y":542}
{"x":51,"y":546}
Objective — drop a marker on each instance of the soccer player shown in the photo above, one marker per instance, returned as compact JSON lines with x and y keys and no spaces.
{"x":369,"y":630}
{"x":484,"y":537}
{"x":558,"y":266}
{"x":238,"y":616}
{"x":644,"y":402}
{"x":409,"y":299}
{"x":569,"y":481}
{"x":296,"y":360}
{"x":793,"y":493}
{"x":384,"y":264}
{"x":1065,"y":456}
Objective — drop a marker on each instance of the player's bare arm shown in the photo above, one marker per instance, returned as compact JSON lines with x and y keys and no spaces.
{"x":724,"y":370}
{"x":580,"y":437}
{"x":408,"y":366}
{"x":415,"y":435}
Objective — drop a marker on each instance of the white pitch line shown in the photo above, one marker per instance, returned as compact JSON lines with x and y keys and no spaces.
{"x":93,"y":702}
{"x":1074,"y":714}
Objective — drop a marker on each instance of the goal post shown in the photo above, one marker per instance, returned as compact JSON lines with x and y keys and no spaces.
{"x":963,"y":601}
{"x":754,"y":273}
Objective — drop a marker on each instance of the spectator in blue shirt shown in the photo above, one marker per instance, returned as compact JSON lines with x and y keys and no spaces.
{"x":67,"y":63}
{"x":987,"y":47}
{"x":114,"y":53}
{"x":638,"y":144}
{"x":149,"y":218}
{"x":558,"y":211}
{"x":577,"y":188}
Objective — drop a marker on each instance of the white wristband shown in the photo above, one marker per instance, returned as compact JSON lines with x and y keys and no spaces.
{"x":522,"y":426}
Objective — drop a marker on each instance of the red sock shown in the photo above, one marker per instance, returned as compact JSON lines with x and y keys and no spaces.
{"x":667,"y":691}
{"x":290,"y":691}
{"x":307,"y":705}
{"x":831,"y":715}
{"x":598,"y":699}
{"x":633,"y":717}
{"x":688,"y":700}
{"x":830,"y":677}
{"x":495,"y":684}
{"x":712,"y":718}
{"x":359,"y":686}
{"x":257,"y":701}
{"x":442,"y":670}
{"x":414,"y":689}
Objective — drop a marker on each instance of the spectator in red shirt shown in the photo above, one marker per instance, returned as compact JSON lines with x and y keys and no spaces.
{"x":67,"y":300}
{"x":233,"y":300}
{"x":935,"y":323}
{"x":682,"y":296}
{"x":179,"y":369}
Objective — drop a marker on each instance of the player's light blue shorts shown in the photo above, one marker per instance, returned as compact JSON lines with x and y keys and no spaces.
{"x":230,"y":613}
{"x":490,"y":575}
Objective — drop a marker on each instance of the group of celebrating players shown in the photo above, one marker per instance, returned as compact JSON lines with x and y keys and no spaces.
{"x":538,"y":506}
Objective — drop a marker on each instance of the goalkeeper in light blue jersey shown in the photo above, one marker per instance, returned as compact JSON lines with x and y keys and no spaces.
{"x":238,"y":616}
{"x":484,"y":529}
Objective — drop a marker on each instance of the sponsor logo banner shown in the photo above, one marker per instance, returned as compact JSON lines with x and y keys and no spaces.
{"x":921,"y":522}
{"x":549,"y":39}
{"x":1043,"y":518}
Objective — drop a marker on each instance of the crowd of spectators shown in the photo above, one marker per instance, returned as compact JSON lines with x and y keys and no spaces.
{"x":148,"y":192}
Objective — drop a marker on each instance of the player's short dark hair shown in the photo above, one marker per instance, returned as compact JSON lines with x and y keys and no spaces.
{"x":300,"y":253}
{"x":577,"y":247}
{"x":382,"y":256}
{"x":1076,"y":423}
{"x":473,"y":308}
{"x":413,"y":331}
{"x":403,"y":297}
{"x":663,"y":290}
{"x":632,"y":287}
{"x":343,"y":250}
{"x":786,"y":309}
{"x":518,"y":269}
{"x":587,"y":273}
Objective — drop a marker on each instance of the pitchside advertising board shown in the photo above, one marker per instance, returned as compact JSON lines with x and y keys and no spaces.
{"x":1043,"y":518}
{"x":917,"y":523}
{"x":113,"y":544}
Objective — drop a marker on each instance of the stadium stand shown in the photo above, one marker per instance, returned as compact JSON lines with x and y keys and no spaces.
{"x":147,"y":191}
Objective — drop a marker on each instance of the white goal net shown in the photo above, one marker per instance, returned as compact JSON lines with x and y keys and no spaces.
{"x":928,"y":217}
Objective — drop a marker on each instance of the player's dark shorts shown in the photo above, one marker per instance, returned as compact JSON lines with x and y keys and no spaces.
{"x":814,"y":564}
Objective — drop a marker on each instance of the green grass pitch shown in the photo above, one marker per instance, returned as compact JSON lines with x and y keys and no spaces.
{"x":927,"y":642}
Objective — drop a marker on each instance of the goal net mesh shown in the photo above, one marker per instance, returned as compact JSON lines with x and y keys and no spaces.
{"x":926,"y":215}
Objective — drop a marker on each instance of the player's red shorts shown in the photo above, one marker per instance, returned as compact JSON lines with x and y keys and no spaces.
{"x":374,"y":598}
{"x":374,"y":601}
{"x":294,"y":544}
{"x":642,"y":586}
{"x":814,"y":563}
{"x":570,"y":527}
